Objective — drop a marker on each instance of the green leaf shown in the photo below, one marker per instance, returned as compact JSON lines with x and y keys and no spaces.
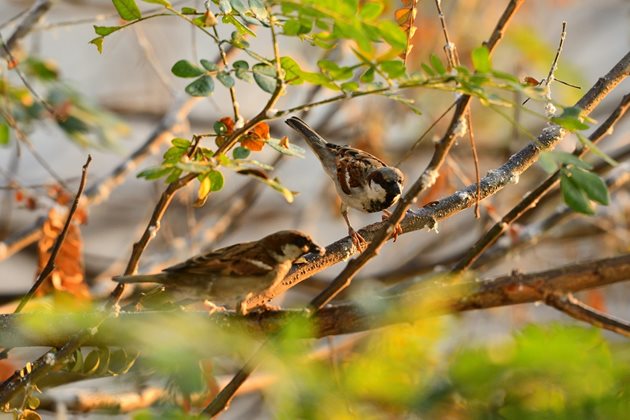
{"x":596,"y":150}
{"x":127,"y":9}
{"x":174,"y":176}
{"x":427,"y":69}
{"x":289,"y":149}
{"x":594,"y":187}
{"x":225,"y":78}
{"x":208,"y":65}
{"x":184,"y":68}
{"x":350,"y":86}
{"x":368,"y":75}
{"x":265,"y":77}
{"x":216,"y":180}
{"x":4,"y":134}
{"x":240,"y":152}
{"x":189,"y":11}
{"x":241,"y":70}
{"x":164,"y":3}
{"x":393,"y":68}
{"x":437,"y":65}
{"x":98,"y":42}
{"x":155,"y":172}
{"x":293,"y":27}
{"x":181,"y":143}
{"x":257,"y":7}
{"x":573,"y":195}
{"x":566,"y":158}
{"x":547,"y":162}
{"x":393,"y":35}
{"x":273,"y":183}
{"x":201,"y":87}
{"x":371,"y":10}
{"x":242,"y":29}
{"x":174,"y":154}
{"x":481,"y":59}
{"x":105,"y":30}
{"x":571,"y":119}
{"x":220,"y":127}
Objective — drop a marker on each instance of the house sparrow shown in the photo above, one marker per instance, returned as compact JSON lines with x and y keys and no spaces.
{"x":362,"y":181}
{"x":230,"y":276}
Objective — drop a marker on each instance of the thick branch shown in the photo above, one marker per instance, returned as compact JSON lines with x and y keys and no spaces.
{"x":346,"y":317}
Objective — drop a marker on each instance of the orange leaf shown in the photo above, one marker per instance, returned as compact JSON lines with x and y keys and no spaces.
{"x":531,"y":81}
{"x":229,"y":124}
{"x":261,"y":130}
{"x":252,"y":142}
{"x":68,"y":275}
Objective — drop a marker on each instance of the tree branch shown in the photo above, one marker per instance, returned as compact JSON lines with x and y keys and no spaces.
{"x":571,"y":306}
{"x":437,"y":298}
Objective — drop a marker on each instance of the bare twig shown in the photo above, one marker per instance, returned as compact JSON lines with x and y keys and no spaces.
{"x":571,"y":306}
{"x":50,"y":265}
{"x":533,"y":197}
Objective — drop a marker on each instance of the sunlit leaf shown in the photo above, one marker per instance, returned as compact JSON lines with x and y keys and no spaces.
{"x":4,"y":134}
{"x":127,"y":9}
{"x":481,"y":59}
{"x":164,"y":3}
{"x":105,"y":30}
{"x":571,"y":119}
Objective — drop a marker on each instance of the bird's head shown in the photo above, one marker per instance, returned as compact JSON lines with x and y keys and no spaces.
{"x":289,"y":245}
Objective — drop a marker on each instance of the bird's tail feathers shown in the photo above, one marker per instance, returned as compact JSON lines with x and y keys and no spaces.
{"x":314,"y":140}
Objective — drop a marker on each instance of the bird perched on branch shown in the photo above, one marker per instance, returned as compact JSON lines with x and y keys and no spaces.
{"x":230,"y":276}
{"x":363,"y":181}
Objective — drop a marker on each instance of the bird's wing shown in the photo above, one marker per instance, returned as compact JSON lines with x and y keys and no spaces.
{"x":354,"y":166}
{"x":240,"y":260}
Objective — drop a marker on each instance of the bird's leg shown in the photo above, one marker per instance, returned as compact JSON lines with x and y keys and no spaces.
{"x":359,"y":242}
{"x":397,"y":229}
{"x":241,"y":306}
{"x":212,"y":308}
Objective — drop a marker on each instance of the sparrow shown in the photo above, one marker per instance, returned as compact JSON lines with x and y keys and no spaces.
{"x":363,"y":181}
{"x":229,"y":276}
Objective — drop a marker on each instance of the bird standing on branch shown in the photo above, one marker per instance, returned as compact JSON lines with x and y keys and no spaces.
{"x":363,"y":181}
{"x":230,"y":276}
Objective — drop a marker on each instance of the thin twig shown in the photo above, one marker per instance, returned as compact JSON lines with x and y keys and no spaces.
{"x":531,"y":200}
{"x":50,"y":265}
{"x":571,"y":306}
